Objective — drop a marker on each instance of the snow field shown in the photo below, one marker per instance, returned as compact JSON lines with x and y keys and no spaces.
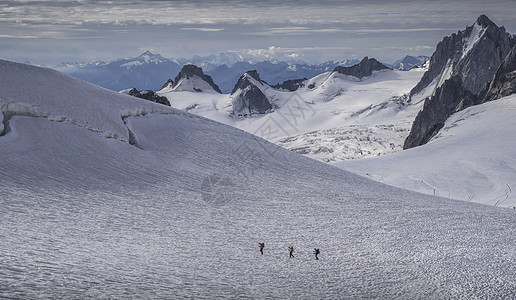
{"x":471,"y":159}
{"x":180,"y":212}
{"x":140,"y":223}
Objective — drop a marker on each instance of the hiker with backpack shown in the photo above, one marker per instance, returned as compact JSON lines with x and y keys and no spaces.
{"x":291,"y":250}
{"x":261,"y":245}
{"x":316,"y":252}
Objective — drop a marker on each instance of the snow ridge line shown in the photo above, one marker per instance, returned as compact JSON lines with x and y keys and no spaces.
{"x":10,"y":110}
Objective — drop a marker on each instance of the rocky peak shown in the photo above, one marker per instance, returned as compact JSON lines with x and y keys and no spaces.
{"x":189,"y":71}
{"x":248,"y":97}
{"x":244,"y":81}
{"x":254,"y":74}
{"x":148,"y":56}
{"x":484,"y":21}
{"x":461,"y":67}
{"x":363,"y":69}
{"x":147,"y":53}
{"x":474,"y":54}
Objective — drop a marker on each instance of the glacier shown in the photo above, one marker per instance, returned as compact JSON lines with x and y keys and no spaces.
{"x":179,"y":211}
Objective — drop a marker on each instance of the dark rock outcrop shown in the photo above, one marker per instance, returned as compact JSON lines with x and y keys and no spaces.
{"x":248,"y":97}
{"x":290,"y":85}
{"x":449,"y":98}
{"x":189,"y":71}
{"x":149,"y":95}
{"x":363,"y":69}
{"x":504,"y":81}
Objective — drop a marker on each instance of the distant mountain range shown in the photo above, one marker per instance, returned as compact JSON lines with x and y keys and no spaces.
{"x":150,"y":71}
{"x":145,"y":72}
{"x":409,"y":62}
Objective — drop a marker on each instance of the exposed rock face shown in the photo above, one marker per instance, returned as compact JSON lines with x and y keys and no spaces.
{"x":189,"y":71}
{"x":461,"y":67}
{"x":248,"y":97}
{"x":504,"y":81}
{"x":291,"y":85}
{"x":449,"y":98}
{"x":363,"y":69}
{"x":148,"y":95}
{"x":474,"y":54}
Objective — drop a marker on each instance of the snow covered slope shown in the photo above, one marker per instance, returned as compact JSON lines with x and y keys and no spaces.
{"x":109,"y":196}
{"x":473,"y":158}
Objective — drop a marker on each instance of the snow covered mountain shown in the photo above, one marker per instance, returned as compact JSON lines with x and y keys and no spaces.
{"x":145,"y":72}
{"x":249,"y":96}
{"x":329,"y":117}
{"x":468,"y":148}
{"x":271,"y":72}
{"x":105,"y":195}
{"x":192,"y":79}
{"x":148,"y":71}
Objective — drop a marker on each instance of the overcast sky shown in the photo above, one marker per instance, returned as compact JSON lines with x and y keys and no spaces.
{"x":50,"y":32}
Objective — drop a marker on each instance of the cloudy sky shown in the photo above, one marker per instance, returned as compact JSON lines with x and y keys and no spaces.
{"x":50,"y":32}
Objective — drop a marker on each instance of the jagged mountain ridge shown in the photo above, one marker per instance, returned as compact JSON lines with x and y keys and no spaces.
{"x":473,"y":55}
{"x":148,"y":70}
{"x":273,"y":73}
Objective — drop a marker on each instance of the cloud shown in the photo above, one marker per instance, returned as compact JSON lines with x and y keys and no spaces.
{"x":18,"y":36}
{"x":313,"y":30}
{"x":307,"y":30}
{"x":204,"y":29}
